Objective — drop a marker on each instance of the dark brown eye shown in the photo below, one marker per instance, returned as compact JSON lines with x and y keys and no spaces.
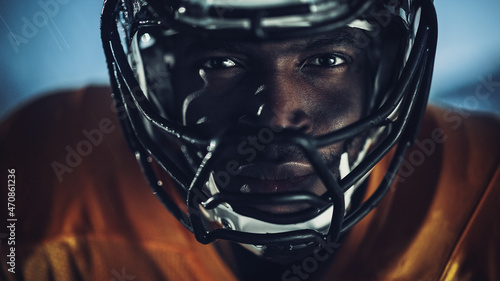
{"x":329,"y":60}
{"x":218,"y":63}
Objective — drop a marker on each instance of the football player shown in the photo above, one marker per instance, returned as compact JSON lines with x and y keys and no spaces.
{"x":285,"y":135}
{"x":269,"y":116}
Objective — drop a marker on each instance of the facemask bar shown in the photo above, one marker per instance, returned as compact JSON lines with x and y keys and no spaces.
{"x":144,"y":146}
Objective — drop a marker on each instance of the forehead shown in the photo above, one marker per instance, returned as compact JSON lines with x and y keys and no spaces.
{"x":346,"y":37}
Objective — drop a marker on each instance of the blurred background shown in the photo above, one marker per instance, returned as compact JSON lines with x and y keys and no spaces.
{"x":48,"y":45}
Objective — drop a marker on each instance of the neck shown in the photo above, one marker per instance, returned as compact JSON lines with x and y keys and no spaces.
{"x":247,"y":266}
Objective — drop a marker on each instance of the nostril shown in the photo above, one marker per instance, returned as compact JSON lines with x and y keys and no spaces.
{"x":301,"y":121}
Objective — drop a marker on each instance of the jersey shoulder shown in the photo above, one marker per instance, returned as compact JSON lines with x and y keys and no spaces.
{"x":470,"y":175}
{"x":438,"y":220}
{"x":86,"y":210}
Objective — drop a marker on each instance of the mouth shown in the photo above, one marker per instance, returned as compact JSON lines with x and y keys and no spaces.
{"x":273,"y":171}
{"x":267,"y":177}
{"x":279,"y":172}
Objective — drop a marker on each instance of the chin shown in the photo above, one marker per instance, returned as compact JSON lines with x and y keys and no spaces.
{"x":288,"y":254}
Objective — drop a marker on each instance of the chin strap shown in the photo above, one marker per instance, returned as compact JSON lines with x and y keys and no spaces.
{"x":225,"y":216}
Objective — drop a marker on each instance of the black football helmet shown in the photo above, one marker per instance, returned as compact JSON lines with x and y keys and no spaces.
{"x":137,"y":36}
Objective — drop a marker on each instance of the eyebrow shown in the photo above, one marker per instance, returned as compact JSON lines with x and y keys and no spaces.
{"x":340,"y":37}
{"x":228,"y":47}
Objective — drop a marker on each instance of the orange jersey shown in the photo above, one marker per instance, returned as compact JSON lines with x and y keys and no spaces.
{"x":82,"y":209}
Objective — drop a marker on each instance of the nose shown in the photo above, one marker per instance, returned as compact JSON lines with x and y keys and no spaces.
{"x":287,"y":103}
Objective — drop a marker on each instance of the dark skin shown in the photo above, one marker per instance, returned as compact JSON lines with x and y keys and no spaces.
{"x":303,"y":83}
{"x":315,"y":85}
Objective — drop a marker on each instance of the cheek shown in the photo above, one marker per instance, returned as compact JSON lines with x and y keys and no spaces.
{"x":338,"y":102}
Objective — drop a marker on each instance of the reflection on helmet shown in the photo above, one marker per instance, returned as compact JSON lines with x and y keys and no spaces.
{"x":141,"y":38}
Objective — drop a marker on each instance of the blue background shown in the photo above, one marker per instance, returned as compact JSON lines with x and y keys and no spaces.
{"x":52,"y":44}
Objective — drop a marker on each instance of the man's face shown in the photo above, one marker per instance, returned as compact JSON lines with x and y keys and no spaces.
{"x":315,"y":85}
